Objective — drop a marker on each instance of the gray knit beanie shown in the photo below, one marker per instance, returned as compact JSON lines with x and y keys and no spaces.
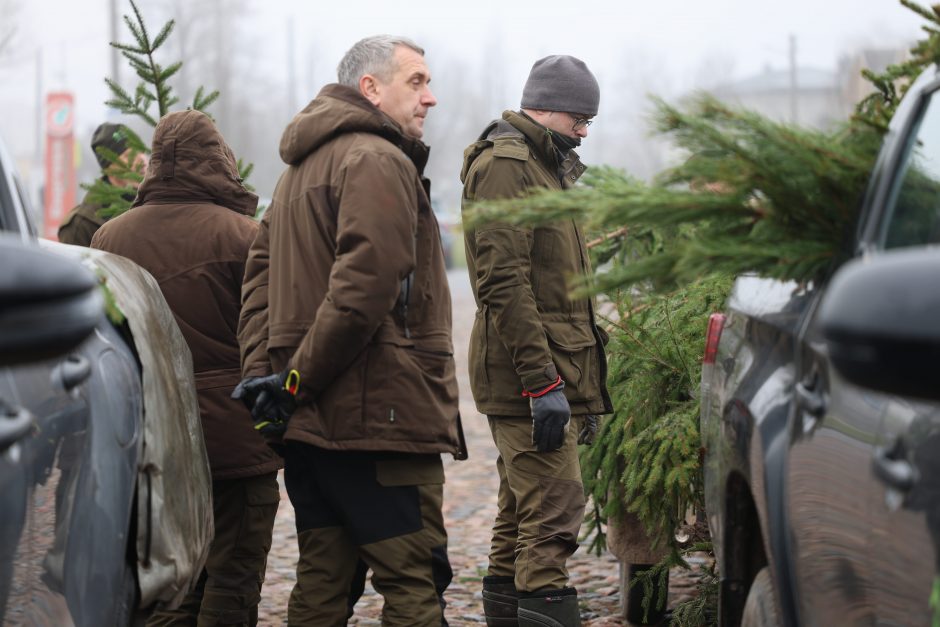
{"x":561,"y":83}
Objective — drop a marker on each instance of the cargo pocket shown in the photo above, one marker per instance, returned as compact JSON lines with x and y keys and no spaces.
{"x":575,"y":356}
{"x":262,"y":496}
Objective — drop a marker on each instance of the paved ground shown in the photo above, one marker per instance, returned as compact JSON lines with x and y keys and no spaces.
{"x":469,"y":508}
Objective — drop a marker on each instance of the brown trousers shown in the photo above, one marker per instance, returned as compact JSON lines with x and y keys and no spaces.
{"x":541,"y":506}
{"x":229,"y":589}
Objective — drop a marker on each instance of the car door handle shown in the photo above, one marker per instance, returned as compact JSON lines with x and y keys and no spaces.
{"x":893,"y":469}
{"x":810,"y":400}
{"x":15,"y":424}
{"x":74,"y":371}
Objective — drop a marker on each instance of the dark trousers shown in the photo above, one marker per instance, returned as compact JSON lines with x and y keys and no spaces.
{"x":381,"y":508}
{"x":229,"y":589}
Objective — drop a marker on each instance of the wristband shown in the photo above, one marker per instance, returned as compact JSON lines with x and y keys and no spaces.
{"x":543,"y":391}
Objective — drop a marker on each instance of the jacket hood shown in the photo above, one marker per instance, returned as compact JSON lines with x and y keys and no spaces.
{"x":337,"y":110}
{"x":192,"y":163}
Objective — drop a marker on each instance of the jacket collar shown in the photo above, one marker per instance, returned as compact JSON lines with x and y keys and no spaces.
{"x":340,"y":109}
{"x":539,"y":139}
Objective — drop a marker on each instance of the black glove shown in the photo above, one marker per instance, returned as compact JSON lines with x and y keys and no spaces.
{"x":271,"y":400}
{"x":588,"y":430}
{"x":550,"y":416}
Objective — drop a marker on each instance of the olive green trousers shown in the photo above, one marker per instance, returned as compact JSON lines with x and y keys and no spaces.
{"x":229,"y":589}
{"x":540,"y":506}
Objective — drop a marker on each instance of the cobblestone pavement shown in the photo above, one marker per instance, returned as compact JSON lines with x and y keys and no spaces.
{"x":469,"y":508}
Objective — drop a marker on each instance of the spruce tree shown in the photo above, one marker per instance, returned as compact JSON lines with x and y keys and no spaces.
{"x":153,"y":89}
{"x":753,"y":196}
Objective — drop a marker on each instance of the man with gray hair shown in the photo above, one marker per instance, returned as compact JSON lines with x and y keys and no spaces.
{"x":536,"y":356}
{"x":346,"y":343}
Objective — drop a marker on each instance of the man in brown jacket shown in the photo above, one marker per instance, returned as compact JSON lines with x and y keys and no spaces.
{"x":79,"y":226}
{"x":191,"y":228}
{"x":346,"y":303}
{"x":536,"y":356}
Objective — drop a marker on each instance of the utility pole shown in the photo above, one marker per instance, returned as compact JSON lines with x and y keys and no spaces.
{"x":794,"y":112}
{"x":38,"y":161}
{"x":115,"y":55}
{"x":291,"y":70}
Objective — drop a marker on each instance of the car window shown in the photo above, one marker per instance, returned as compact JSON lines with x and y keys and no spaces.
{"x":913,"y":216}
{"x":27,"y":207}
{"x":8,"y":221}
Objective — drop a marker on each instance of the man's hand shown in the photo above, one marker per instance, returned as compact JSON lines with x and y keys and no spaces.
{"x":550,"y":416}
{"x":270,"y":399}
{"x":588,"y":430}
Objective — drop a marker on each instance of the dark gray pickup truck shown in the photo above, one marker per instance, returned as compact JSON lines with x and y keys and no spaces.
{"x":819,"y":414}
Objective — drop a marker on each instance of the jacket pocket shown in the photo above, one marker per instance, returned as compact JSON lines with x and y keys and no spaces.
{"x":574,"y":351}
{"x":410,"y":395}
{"x":340,"y":405}
{"x":479,"y":383}
{"x":502,"y":382}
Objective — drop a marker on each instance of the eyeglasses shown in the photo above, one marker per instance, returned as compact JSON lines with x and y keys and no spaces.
{"x":580,"y":122}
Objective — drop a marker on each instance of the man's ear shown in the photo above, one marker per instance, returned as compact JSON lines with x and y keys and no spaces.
{"x":369,"y":88}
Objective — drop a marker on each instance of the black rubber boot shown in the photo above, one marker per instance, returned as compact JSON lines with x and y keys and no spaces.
{"x":549,"y":608}
{"x":633,"y":604}
{"x":500,"y":602}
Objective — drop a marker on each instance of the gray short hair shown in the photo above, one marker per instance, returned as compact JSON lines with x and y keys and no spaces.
{"x":373,"y":55}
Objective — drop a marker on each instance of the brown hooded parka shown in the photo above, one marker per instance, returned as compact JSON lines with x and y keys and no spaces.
{"x":190,"y":228}
{"x":346,"y":283}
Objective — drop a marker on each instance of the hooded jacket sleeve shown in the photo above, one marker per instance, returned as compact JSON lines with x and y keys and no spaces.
{"x":503,"y":270}
{"x":375,"y":250}
{"x":253,"y":319}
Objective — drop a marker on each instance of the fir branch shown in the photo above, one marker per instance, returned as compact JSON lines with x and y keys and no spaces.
{"x":135,"y":30}
{"x":167,"y":73}
{"x":927,"y":14}
{"x":201,"y":101}
{"x":164,"y":33}
{"x":127,"y":48}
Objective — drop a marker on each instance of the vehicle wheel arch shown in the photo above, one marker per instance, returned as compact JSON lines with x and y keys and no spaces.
{"x":745,"y":552}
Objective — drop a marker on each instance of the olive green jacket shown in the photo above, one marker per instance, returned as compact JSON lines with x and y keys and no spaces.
{"x":527,"y":330}
{"x":79,"y":226}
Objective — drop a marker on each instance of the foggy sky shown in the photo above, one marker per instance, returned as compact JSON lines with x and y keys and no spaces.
{"x":480,"y":48}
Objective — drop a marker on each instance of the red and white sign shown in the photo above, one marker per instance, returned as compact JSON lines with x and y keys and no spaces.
{"x":60,"y":160}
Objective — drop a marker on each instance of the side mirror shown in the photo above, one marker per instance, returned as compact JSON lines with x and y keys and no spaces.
{"x":881,"y":321}
{"x":48,"y":304}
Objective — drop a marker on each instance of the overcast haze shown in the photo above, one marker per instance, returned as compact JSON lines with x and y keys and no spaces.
{"x":479,"y":53}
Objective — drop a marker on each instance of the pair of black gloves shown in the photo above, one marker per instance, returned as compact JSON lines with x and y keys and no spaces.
{"x":550,"y":416}
{"x":271,"y":400}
